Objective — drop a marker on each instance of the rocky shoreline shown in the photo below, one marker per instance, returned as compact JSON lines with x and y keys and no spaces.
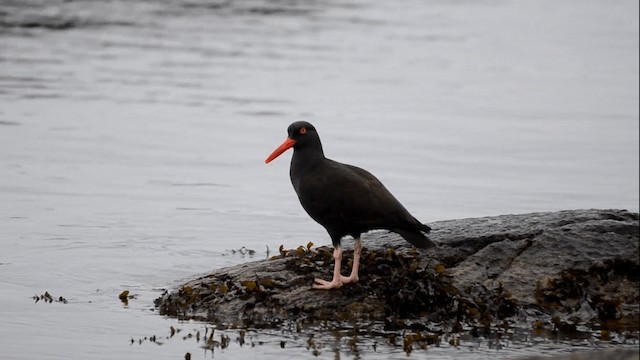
{"x":558,"y":271}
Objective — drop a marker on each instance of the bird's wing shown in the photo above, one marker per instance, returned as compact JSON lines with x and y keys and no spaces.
{"x":340,"y":193}
{"x":377,"y":203}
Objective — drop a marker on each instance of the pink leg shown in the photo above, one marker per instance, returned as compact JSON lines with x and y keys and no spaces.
{"x":336,"y":282}
{"x":339,"y":280}
{"x":357,"y":250}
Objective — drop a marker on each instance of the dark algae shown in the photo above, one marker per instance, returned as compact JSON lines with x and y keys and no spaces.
{"x":48,"y":298}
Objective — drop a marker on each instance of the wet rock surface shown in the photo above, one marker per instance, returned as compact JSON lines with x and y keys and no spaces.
{"x":556,"y":271}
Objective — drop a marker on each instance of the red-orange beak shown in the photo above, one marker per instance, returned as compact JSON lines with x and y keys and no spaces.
{"x":282,"y":148}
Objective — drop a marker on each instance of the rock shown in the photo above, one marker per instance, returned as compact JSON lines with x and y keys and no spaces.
{"x":568,"y":267}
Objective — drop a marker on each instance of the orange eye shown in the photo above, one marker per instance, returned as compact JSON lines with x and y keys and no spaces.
{"x":303,"y":131}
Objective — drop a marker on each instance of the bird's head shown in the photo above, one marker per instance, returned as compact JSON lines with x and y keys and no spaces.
{"x":301,"y":134}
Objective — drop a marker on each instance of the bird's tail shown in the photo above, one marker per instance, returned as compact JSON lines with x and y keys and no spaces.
{"x":424,"y":228}
{"x":416,"y":237}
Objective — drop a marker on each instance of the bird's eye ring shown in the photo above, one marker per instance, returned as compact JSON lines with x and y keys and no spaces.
{"x":303,"y":131}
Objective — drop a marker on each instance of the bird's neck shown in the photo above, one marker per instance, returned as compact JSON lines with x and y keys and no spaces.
{"x":307,"y":156}
{"x":305,"y":159}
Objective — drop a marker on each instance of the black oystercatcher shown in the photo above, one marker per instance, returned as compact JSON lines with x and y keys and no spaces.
{"x":345,"y":199}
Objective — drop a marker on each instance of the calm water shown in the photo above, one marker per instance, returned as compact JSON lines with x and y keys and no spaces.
{"x":133,"y":135}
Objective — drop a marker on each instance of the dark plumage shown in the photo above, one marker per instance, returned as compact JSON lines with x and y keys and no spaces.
{"x":345,"y":199}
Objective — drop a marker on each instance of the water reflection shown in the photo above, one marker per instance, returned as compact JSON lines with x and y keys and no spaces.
{"x":371,"y":341}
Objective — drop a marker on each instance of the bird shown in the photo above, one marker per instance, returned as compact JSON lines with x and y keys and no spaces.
{"x":345,"y":199}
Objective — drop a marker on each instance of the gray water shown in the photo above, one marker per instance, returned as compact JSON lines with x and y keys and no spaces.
{"x":133,"y":135}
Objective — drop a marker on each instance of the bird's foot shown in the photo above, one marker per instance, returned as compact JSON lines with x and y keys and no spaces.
{"x":327,"y":285}
{"x":353,"y":278}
